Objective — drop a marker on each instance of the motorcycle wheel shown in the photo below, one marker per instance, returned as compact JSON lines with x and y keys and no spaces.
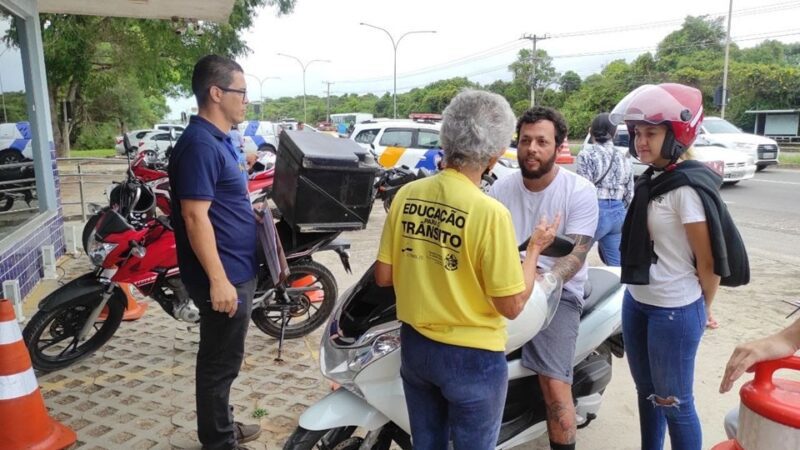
{"x":313,"y":305}
{"x":87,"y":230}
{"x":51,"y":336}
{"x":6,"y":202}
{"x":302,"y":439}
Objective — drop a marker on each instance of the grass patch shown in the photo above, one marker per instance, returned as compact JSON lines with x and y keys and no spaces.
{"x":575,"y":149}
{"x":789,"y":158}
{"x":259,"y":413}
{"x":98,"y":153}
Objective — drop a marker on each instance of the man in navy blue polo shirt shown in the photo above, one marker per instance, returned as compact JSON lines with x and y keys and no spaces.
{"x":215,"y":233}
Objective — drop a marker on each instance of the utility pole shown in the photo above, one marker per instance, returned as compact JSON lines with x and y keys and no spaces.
{"x":534,"y":38}
{"x":329,"y":83}
{"x":725,"y":69}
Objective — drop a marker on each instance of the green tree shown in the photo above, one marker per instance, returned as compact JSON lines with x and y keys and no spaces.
{"x":522,"y":69}
{"x":696,"y":34}
{"x":15,"y":107}
{"x":86,"y":51}
{"x":570,"y":82}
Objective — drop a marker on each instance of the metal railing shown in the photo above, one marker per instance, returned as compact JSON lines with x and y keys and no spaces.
{"x":83,"y":178}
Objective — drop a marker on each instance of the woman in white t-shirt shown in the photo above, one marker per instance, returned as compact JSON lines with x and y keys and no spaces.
{"x":667,"y":262}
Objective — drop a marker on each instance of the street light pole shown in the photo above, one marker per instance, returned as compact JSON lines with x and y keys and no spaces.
{"x":304,"y":67}
{"x":725,"y":69}
{"x":261,"y":90}
{"x":394,"y":46}
{"x":3,"y":91}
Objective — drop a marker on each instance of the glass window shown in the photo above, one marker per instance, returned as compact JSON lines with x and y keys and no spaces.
{"x":621,"y":139}
{"x":428,"y":139}
{"x":367,"y":136}
{"x":715,"y":126}
{"x":397,"y":138}
{"x":18,"y":196}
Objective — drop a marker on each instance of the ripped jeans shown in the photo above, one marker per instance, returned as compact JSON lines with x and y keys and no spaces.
{"x":661,"y":345}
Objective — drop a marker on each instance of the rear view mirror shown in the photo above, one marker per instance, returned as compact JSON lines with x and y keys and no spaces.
{"x":561,"y":246}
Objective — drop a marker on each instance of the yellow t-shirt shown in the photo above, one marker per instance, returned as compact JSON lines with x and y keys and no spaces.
{"x":451,"y":248}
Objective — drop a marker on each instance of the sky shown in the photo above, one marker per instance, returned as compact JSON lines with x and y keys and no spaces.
{"x":477,"y":39}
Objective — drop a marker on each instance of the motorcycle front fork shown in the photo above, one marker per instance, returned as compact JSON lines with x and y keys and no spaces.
{"x":89,"y":324}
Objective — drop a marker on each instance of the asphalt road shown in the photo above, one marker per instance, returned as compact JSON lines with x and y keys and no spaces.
{"x":766,"y":209}
{"x":767,"y":212}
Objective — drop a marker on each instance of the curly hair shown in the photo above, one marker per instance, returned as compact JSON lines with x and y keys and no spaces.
{"x":539,"y":113}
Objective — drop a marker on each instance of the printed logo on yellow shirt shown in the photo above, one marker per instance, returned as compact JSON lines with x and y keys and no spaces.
{"x":451,"y":262}
{"x":435,"y":224}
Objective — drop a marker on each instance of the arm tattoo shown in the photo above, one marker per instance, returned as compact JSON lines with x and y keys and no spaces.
{"x":567,"y":266}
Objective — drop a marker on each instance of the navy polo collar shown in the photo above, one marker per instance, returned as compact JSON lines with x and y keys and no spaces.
{"x":210,"y":127}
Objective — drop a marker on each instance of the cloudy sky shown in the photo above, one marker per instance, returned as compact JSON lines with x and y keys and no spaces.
{"x":477,"y":39}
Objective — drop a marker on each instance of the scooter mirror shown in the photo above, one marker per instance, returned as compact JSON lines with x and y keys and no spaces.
{"x":561,"y":246}
{"x":172,"y":134}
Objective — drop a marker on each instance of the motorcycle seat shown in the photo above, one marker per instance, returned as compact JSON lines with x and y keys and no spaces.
{"x":600,"y":285}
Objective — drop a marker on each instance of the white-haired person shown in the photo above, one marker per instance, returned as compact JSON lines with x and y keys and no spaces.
{"x":451,"y":254}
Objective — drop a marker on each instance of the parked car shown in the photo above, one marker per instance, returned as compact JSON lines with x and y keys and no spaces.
{"x":169,"y":126}
{"x":158,"y":141}
{"x":133,"y":137}
{"x":733,"y":165}
{"x":410,"y":143}
{"x":765,"y":151}
{"x":259,"y":135}
{"x":15,"y":142}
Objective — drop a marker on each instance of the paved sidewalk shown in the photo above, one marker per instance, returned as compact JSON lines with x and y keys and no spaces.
{"x":137,"y":391}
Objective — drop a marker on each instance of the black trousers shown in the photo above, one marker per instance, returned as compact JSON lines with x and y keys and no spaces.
{"x":219,"y":358}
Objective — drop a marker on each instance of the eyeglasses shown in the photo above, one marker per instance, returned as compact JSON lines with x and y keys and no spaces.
{"x":238,"y":91}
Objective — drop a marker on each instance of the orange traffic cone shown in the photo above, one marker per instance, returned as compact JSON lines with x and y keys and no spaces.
{"x":134,"y":310}
{"x":27,"y":424}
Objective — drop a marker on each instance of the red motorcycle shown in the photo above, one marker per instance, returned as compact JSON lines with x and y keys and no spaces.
{"x":81,"y":316}
{"x":149,"y":169}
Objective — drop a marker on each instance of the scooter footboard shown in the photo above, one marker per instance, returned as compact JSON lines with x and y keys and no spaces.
{"x":342,"y":408}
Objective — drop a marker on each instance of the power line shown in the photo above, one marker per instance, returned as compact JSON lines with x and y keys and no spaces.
{"x":773,"y":7}
{"x":700,"y":44}
{"x":517,"y":45}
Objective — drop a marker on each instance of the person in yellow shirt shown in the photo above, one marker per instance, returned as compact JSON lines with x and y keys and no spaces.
{"x":451,"y":254}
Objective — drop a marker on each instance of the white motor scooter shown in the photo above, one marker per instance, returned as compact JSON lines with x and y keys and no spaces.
{"x":360,"y":351}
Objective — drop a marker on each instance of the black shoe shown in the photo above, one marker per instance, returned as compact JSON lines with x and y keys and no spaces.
{"x":246,"y":433}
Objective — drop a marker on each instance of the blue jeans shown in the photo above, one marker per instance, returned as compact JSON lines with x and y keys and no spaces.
{"x":609,"y":230}
{"x":661,"y":344}
{"x":452,"y":392}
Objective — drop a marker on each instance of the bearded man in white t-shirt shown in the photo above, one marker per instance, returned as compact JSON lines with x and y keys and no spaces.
{"x":542,"y":189}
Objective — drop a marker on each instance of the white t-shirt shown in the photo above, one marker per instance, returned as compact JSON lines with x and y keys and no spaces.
{"x":673,"y":276}
{"x":569,"y":194}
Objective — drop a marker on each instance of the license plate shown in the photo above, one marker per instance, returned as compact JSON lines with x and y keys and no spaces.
{"x":769,"y":155}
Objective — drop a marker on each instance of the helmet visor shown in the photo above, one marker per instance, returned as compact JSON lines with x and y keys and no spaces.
{"x":652,"y":104}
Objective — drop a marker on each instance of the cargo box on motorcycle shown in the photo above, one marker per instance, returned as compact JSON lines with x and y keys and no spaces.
{"x":323,"y":183}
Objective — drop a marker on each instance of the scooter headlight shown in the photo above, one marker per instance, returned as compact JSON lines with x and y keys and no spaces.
{"x":98,"y":250}
{"x":551,"y":285}
{"x":381,"y":346}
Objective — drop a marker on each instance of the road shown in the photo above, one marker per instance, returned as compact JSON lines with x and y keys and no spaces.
{"x":767,"y":211}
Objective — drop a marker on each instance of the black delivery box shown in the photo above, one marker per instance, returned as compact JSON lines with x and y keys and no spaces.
{"x":323,"y":183}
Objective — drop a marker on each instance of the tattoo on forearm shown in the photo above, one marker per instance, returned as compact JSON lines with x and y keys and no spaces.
{"x":569,"y":265}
